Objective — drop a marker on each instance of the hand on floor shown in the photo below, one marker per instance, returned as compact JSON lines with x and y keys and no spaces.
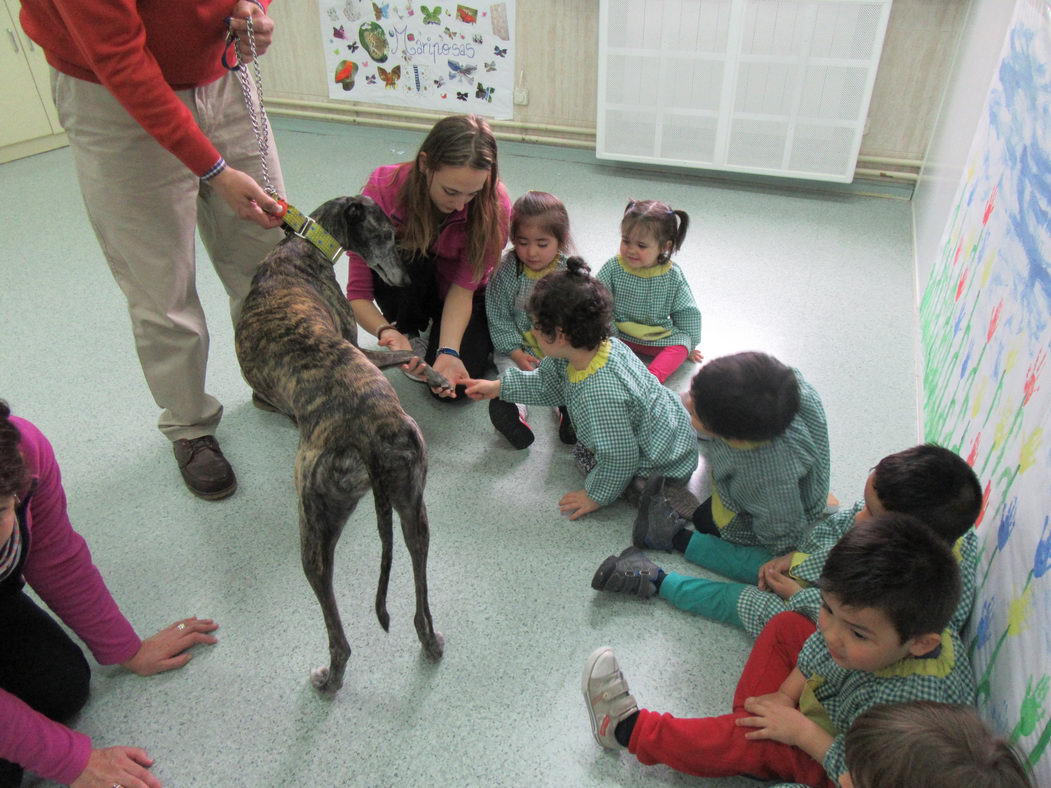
{"x":123,"y":766}
{"x":576,"y":504}
{"x":167,"y":650}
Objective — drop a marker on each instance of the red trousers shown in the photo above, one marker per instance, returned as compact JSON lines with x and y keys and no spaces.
{"x":716,"y":746}
{"x":666,"y":359}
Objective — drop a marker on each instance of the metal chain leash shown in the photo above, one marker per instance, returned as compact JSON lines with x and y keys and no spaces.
{"x":260,"y":124}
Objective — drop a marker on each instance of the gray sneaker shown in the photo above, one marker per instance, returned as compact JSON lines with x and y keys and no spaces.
{"x":656,"y":523}
{"x":629,"y":573}
{"x":607,"y":696}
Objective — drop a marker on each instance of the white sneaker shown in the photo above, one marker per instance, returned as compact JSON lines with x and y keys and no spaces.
{"x":606,"y":696}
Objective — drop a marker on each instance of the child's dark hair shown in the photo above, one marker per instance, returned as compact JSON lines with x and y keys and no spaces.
{"x":575,"y":302}
{"x":546,"y":211}
{"x":745,"y":396}
{"x":897,"y":565}
{"x":12,"y":464}
{"x":936,"y":745}
{"x":658,"y":219}
{"x":933,"y":484}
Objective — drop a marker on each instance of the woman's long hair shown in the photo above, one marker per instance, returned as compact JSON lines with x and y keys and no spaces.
{"x":456,"y":141}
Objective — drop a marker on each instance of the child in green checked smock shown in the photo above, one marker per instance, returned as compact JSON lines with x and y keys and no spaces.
{"x":540,"y":237}
{"x":931,"y":483}
{"x":628,"y":425}
{"x":654,"y":312}
{"x":888,"y":591}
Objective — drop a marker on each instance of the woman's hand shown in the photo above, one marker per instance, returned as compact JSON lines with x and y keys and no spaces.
{"x":482,"y":389}
{"x":576,"y":504}
{"x":453,"y":369}
{"x":123,"y":766}
{"x":392,"y":339}
{"x":524,"y":361}
{"x":246,"y":197}
{"x":167,"y":650}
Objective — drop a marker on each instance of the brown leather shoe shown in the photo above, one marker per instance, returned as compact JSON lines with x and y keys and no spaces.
{"x":204,"y":468}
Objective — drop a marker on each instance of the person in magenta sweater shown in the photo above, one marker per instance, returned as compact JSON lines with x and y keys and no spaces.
{"x":136,"y":83}
{"x":44,"y":676}
{"x":451,"y":215}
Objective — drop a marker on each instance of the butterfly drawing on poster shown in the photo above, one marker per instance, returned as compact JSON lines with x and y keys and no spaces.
{"x":339,"y":32}
{"x":353,"y":46}
{"x":477,"y":38}
{"x":333,"y":15}
{"x":381,"y":11}
{"x":461,"y":96}
{"x":432,"y":15}
{"x":484,"y":93}
{"x":370,"y":79}
{"x":390,"y":78}
{"x":450,"y":33}
{"x":466,"y":15}
{"x":439,"y":82}
{"x":351,"y":12}
{"x":461,"y":72}
{"x":500,"y":52}
{"x":490,"y":65}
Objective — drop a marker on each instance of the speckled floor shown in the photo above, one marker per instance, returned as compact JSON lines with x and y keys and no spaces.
{"x":823,"y":281}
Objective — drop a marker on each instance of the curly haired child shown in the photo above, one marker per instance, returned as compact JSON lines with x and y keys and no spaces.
{"x":628,"y":425}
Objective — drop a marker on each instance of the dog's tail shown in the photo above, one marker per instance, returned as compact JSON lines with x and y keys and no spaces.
{"x":385,"y":522}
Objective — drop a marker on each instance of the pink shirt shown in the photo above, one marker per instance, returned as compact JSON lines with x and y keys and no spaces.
{"x":60,"y":570}
{"x":450,"y":248}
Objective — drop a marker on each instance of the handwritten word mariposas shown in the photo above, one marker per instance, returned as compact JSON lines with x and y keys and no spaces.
{"x":436,"y":49}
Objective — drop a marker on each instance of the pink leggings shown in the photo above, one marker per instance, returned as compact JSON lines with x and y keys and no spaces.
{"x":666,"y":359}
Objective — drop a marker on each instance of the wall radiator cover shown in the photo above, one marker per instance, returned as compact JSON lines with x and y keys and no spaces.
{"x":772,"y":87}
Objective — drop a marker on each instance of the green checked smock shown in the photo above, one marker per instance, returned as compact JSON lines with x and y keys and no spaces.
{"x":633,"y":424}
{"x":834,"y":697}
{"x":774,"y":490}
{"x":755,"y":607}
{"x":507,"y":304}
{"x":657,"y":300}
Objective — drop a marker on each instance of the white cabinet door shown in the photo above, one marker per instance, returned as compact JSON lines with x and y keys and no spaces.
{"x":22,"y":115}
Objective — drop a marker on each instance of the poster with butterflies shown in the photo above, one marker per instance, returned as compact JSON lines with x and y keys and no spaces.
{"x":454,"y":57}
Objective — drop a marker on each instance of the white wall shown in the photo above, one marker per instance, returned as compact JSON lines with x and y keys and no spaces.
{"x":977,"y":56}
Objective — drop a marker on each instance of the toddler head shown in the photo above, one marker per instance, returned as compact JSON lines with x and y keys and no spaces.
{"x":929,"y":482}
{"x":12,"y":464}
{"x":744,"y":397}
{"x":938,"y":745}
{"x":539,"y":229}
{"x":888,"y":590}
{"x":573,"y":303}
{"x":649,"y":232}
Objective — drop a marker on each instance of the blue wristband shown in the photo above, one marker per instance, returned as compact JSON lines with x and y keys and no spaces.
{"x":447,"y":351}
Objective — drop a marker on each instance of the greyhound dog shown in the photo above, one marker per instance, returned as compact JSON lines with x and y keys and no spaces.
{"x":296,"y":342}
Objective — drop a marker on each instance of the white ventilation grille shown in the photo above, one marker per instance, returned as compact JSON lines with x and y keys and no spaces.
{"x":775,"y":87}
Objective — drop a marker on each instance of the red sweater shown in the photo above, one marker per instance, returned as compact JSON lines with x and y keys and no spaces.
{"x":141,"y":51}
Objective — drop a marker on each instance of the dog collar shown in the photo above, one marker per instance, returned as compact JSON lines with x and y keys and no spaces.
{"x":309,"y":230}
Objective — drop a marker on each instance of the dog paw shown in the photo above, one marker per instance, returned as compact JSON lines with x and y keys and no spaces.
{"x":436,"y":380}
{"x":436,"y":647}
{"x":320,"y":678}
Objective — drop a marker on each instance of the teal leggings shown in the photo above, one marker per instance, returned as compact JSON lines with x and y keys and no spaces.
{"x":714,"y":598}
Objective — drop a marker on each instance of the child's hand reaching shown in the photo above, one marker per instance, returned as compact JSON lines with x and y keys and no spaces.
{"x":525,"y":361}
{"x":576,"y":504}
{"x":696,"y":356}
{"x":482,"y":389}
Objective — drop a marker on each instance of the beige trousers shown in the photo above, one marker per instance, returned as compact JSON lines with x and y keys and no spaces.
{"x":144,"y":206}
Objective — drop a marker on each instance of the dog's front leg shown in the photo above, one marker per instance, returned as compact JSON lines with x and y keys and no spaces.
{"x":390,"y":358}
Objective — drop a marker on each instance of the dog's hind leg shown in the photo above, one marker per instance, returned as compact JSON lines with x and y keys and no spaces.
{"x":323,"y":513}
{"x":416,"y":530}
{"x":385,"y":522}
